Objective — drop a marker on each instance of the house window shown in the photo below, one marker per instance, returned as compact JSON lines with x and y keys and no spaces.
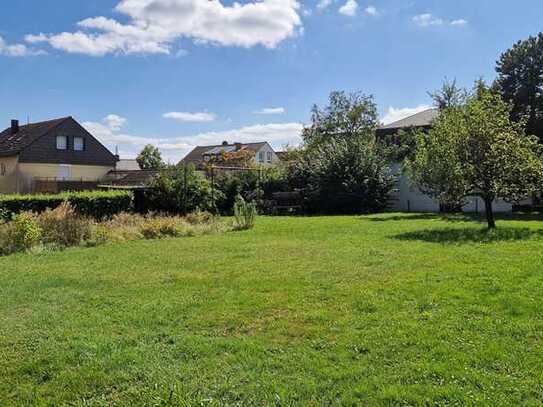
{"x":261,"y":156}
{"x":2,"y":169}
{"x":79,"y":143}
{"x":62,"y":142}
{"x":269,"y":156}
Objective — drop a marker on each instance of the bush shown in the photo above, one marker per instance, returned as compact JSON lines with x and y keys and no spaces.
{"x":23,"y":233}
{"x":347,"y":177}
{"x":179,"y":190}
{"x":253,"y":185}
{"x":94,"y":204}
{"x":63,"y":226}
{"x":244,"y":214}
{"x":199,"y":217}
{"x":157,"y":228}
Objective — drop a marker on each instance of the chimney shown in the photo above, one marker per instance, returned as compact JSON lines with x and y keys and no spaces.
{"x":238,"y":146}
{"x":14,"y":126}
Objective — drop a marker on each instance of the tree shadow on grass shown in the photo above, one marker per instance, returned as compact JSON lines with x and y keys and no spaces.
{"x":458,"y":217}
{"x":470,"y":235}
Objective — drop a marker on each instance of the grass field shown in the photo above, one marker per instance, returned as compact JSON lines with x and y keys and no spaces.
{"x":377,"y":310}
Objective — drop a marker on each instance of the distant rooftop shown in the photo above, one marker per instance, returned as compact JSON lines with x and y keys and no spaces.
{"x":421,"y":119}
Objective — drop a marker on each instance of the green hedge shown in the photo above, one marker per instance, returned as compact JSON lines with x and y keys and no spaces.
{"x":95,"y":204}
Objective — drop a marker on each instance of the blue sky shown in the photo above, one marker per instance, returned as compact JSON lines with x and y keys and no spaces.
{"x":183,"y":72}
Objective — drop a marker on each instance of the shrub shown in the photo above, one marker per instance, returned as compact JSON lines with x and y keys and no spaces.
{"x":26,"y":232}
{"x":63,"y":226}
{"x":245,"y":214}
{"x":199,"y":217}
{"x":95,"y":204}
{"x":181,"y":190}
{"x":160,"y":227}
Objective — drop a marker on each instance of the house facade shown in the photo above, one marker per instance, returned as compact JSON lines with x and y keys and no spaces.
{"x":262,"y":154}
{"x":59,"y":150}
{"x":408,"y":198}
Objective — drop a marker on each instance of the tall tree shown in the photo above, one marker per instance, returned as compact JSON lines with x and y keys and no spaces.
{"x":450,"y":95}
{"x":477,"y":150}
{"x":520,"y":80}
{"x":347,"y":116}
{"x":150,"y":158}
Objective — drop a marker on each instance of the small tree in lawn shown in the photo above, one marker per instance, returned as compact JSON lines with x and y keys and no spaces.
{"x":150,"y":158}
{"x":477,"y":150}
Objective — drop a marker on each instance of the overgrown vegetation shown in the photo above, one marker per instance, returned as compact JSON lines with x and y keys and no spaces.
{"x":64,"y":227}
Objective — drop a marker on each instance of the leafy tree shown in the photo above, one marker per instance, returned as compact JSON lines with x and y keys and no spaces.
{"x":477,"y":150}
{"x":348,"y":115}
{"x":520,"y":80}
{"x":348,"y":176}
{"x":150,"y":158}
{"x":450,"y":95}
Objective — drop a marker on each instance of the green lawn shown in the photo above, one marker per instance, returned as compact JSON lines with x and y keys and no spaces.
{"x":378,"y":310}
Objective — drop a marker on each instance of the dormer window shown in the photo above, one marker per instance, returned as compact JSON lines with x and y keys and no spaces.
{"x":79,"y":143}
{"x":62,"y":143}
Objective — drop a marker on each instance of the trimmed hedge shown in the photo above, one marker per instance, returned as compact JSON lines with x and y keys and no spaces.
{"x":94,"y":204}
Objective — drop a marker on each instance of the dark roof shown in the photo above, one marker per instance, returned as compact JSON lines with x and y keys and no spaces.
{"x":421,"y":119}
{"x":11,"y":144}
{"x":196,"y":155}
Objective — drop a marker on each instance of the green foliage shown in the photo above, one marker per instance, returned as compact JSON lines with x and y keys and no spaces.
{"x":94,"y":204}
{"x":244,"y":214}
{"x":64,"y":226}
{"x":450,"y":95}
{"x":348,"y":176}
{"x":27,"y":230}
{"x":160,"y":227}
{"x":348,"y":115}
{"x":182,"y":190}
{"x":520,"y":80}
{"x":476,"y":149}
{"x":150,"y":158}
{"x":255,"y":185}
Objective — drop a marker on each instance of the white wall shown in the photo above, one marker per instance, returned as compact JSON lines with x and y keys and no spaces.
{"x":265,"y":149}
{"x":407,"y":198}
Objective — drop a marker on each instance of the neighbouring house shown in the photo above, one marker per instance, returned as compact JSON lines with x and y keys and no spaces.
{"x":127,"y":165}
{"x":408,"y":198}
{"x":50,"y":156}
{"x":263,"y":153}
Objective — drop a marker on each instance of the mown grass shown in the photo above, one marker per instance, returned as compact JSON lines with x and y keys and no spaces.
{"x":377,"y":310}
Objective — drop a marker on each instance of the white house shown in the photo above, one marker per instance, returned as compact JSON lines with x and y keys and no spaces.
{"x":263,"y":153}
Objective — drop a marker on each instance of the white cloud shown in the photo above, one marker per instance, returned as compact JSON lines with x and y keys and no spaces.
{"x":460,"y":22}
{"x":395,"y":114}
{"x":17,"y":50}
{"x":372,"y":11}
{"x":324,"y":4}
{"x":175,"y":148}
{"x":154,"y":26}
{"x":349,"y":8}
{"x":196,"y":117}
{"x":270,"y":110}
{"x":428,"y":20}
{"x":114,"y":122}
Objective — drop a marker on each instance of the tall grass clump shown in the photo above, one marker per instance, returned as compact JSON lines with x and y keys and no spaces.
{"x":64,"y":226}
{"x":244,"y":214}
{"x":21,"y":234}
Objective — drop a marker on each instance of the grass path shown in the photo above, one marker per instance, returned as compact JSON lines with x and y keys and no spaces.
{"x":389,"y":309}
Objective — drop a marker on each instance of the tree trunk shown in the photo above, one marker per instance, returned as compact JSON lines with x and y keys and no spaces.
{"x":489,"y":213}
